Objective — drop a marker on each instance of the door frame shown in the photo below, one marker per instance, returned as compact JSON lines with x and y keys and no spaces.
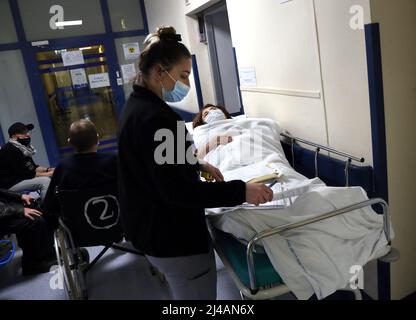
{"x":213,"y":57}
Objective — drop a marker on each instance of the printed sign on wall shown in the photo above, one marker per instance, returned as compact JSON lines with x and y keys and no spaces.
{"x":99,"y":80}
{"x":79,"y":78}
{"x":71,"y":58}
{"x":248,"y":76}
{"x":129,"y":72}
{"x":131,"y":51}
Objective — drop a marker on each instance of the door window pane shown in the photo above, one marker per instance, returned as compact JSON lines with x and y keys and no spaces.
{"x":7,"y":29}
{"x":71,"y":96}
{"x":39,"y":18}
{"x":125,"y":15}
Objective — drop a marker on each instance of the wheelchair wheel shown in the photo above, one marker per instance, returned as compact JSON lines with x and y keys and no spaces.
{"x":72,"y":275}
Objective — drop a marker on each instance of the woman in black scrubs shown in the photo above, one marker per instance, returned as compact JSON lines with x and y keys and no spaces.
{"x":162,"y":198}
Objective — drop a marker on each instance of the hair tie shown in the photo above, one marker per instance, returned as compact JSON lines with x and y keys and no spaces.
{"x":171,"y":37}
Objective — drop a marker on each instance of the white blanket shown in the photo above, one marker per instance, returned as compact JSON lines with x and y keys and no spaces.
{"x":316,"y":258}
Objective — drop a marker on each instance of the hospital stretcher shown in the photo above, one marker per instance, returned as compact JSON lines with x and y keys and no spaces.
{"x":252,"y":271}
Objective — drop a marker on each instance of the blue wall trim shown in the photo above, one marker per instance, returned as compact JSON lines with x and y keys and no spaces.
{"x":10,"y":46}
{"x":378,"y":130}
{"x":238,"y":83}
{"x":85,"y":65}
{"x":144,"y":16}
{"x":378,"y":127}
{"x":106,"y":16}
{"x":2,"y":141}
{"x":197,"y":82}
{"x":59,"y":60}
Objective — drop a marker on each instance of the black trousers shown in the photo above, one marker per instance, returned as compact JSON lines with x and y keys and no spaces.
{"x":35,"y":237}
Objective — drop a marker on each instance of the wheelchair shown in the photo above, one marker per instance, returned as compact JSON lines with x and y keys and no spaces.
{"x":88,"y":218}
{"x":7,"y":251}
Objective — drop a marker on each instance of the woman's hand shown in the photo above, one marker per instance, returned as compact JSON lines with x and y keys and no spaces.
{"x":27,"y":199}
{"x":213,"y":171}
{"x":32,"y":213}
{"x":258,"y":193}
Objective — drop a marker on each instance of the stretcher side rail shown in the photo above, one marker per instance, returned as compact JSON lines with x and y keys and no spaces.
{"x":274,"y":231}
{"x":318,"y":147}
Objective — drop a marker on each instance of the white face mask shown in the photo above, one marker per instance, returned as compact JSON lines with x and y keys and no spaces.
{"x":214,"y":115}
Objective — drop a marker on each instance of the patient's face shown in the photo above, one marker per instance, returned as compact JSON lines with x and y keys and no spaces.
{"x":206,"y":111}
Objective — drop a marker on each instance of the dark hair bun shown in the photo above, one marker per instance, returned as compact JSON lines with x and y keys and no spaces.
{"x":163,"y":47}
{"x":168,"y":33}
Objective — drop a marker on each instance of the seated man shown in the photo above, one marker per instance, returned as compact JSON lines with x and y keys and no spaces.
{"x":208,"y":115}
{"x":18,"y":171}
{"x":33,"y":232}
{"x":86,"y":169}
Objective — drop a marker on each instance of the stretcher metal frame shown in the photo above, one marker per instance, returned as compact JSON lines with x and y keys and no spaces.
{"x":318,"y":149}
{"x":253,"y":291}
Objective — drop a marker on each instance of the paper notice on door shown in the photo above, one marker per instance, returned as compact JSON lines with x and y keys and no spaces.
{"x":72,"y":58}
{"x":129,"y":72}
{"x":131,"y":50}
{"x":79,"y":78}
{"x":99,"y":80}
{"x":248,"y":76}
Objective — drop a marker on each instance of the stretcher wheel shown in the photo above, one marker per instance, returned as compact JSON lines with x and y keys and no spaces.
{"x":73,"y":277}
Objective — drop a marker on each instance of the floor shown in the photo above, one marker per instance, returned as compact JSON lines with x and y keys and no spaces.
{"x":117,"y":276}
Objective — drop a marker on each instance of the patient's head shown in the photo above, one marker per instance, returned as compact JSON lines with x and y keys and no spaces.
{"x":83,"y":136}
{"x":210,"y":114}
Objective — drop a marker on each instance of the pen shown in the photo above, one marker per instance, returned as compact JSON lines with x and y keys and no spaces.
{"x":272,"y":184}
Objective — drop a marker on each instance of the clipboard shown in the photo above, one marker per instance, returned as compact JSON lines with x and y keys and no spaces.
{"x":266,"y":178}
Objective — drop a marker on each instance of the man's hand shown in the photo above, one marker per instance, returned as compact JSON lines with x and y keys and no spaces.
{"x":213,"y":171}
{"x":27,"y":199}
{"x":32,"y":213}
{"x":258,"y":193}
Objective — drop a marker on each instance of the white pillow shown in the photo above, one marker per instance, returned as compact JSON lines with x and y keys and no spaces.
{"x":189,"y":126}
{"x":243,"y":116}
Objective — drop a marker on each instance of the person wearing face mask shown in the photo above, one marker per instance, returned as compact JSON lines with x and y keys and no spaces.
{"x":209,"y":115}
{"x":162,"y":203}
{"x":18,"y":170}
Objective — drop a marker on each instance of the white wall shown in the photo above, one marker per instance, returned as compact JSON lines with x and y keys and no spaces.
{"x":16,"y":102}
{"x":398,"y":45}
{"x":344,"y":75}
{"x":279,"y":41}
{"x":315,"y":69}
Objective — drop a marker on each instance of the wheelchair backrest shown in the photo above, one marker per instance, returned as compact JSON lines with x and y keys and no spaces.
{"x":92,"y":216}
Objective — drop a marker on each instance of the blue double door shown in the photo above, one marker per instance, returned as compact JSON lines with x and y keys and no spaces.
{"x":76,"y":80}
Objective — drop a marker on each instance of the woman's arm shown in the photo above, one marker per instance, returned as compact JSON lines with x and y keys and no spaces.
{"x":212,"y":145}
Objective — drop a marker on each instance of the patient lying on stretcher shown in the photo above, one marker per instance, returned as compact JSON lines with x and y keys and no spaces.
{"x":208,"y":115}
